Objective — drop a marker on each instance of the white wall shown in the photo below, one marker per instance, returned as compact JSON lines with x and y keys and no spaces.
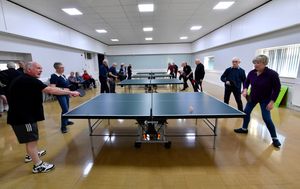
{"x":246,"y":51}
{"x":153,"y":56}
{"x":2,"y":23}
{"x":274,"y":24}
{"x":150,"y":62}
{"x":275,"y":15}
{"x":47,"y":54}
{"x":47,"y":41}
{"x":19,"y":21}
{"x":149,"y":49}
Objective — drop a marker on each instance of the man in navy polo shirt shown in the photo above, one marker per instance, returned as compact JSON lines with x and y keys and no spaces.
{"x":58,"y":79}
{"x":113,"y":75}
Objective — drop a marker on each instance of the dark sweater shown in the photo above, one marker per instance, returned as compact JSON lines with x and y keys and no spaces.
{"x":265,"y":86}
{"x":236,"y":77}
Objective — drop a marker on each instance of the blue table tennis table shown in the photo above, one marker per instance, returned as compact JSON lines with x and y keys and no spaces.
{"x":151,"y":73}
{"x":149,"y":83}
{"x":151,"y":110}
{"x":151,"y":76}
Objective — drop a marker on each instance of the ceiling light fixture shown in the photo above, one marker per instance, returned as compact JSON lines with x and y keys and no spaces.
{"x":146,"y":29}
{"x":196,"y":27}
{"x":223,"y":5}
{"x":114,"y":40}
{"x":72,"y":11}
{"x":183,"y":37}
{"x":146,"y":7}
{"x":101,"y":31}
{"x":148,"y":38}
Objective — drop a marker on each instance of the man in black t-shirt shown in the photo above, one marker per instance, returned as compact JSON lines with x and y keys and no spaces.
{"x":25,"y":100}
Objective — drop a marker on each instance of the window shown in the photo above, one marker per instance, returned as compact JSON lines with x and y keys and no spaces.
{"x":284,"y":59}
{"x":209,"y":62}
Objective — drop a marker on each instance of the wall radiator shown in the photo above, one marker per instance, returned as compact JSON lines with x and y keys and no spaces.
{"x":296,"y":95}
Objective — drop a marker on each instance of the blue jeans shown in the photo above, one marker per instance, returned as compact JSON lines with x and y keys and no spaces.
{"x":64,"y":104}
{"x":265,"y":114}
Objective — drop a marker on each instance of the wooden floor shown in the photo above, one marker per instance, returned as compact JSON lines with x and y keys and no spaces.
{"x":239,"y":161}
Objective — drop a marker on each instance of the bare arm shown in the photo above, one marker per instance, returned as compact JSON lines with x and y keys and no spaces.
{"x":59,"y":91}
{"x":111,"y":74}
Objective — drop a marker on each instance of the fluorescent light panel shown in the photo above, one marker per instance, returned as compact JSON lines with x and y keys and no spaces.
{"x":148,"y":38}
{"x":72,"y":11}
{"x":146,"y":7}
{"x":101,"y":31}
{"x":146,"y":29}
{"x":183,"y":37}
{"x":196,"y":27}
{"x":223,"y":5}
{"x":114,"y":39}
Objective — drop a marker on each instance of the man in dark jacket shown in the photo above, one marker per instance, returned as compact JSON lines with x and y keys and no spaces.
{"x":199,"y":75}
{"x":233,"y":78}
{"x":6,"y":76}
{"x":187,"y":75}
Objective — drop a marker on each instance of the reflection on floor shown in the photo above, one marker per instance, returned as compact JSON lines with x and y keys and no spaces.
{"x":239,"y":161}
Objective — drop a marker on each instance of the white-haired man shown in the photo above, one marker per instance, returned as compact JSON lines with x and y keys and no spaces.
{"x":199,"y":75}
{"x":233,"y":78}
{"x":23,"y":115}
{"x":113,"y":76}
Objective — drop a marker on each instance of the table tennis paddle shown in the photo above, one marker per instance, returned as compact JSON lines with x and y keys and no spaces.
{"x":81,"y":92}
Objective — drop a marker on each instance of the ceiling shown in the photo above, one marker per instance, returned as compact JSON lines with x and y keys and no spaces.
{"x":170,"y":20}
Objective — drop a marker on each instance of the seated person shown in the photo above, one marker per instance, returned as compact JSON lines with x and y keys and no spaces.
{"x":80,"y":80}
{"x":89,"y":78}
{"x":74,"y":84}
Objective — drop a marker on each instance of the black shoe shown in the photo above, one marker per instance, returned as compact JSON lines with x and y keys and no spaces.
{"x":70,"y":123}
{"x":183,"y":89}
{"x":276,"y":143}
{"x":64,"y":130}
{"x":241,"y":130}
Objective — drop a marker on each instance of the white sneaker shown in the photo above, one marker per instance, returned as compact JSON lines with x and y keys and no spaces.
{"x":28,"y":158}
{"x":44,"y":167}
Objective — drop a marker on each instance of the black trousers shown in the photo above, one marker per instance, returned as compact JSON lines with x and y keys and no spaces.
{"x":237,"y":95}
{"x":104,"y":87}
{"x":185,"y":85}
{"x":198,"y":85}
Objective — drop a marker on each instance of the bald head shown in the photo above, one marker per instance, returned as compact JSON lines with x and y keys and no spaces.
{"x":33,"y":69}
{"x":197,"y":61}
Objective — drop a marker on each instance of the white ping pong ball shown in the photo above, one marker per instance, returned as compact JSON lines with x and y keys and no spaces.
{"x":191,"y":109}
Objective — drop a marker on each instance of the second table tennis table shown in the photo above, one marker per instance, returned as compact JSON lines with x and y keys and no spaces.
{"x":151,"y":82}
{"x":153,"y":109}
